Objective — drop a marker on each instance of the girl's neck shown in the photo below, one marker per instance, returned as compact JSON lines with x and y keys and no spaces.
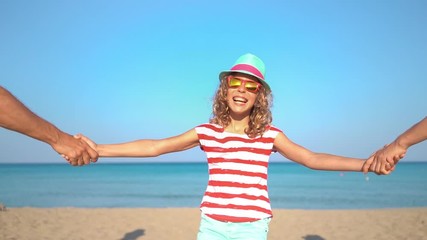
{"x":237,"y":126}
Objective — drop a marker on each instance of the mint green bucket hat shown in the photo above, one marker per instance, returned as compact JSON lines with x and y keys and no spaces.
{"x":251,"y":65}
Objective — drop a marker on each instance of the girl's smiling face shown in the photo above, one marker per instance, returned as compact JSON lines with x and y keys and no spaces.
{"x":241,"y":97}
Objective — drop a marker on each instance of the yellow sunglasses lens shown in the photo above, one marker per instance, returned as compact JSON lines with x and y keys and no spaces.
{"x":251,"y":86}
{"x":234,"y":82}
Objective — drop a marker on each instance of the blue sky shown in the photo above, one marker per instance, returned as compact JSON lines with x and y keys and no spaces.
{"x":347,"y":76}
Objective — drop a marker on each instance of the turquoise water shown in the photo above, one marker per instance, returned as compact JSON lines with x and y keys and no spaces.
{"x":291,"y":186}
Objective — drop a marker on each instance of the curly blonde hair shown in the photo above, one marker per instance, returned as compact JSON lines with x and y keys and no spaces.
{"x":260,"y":117}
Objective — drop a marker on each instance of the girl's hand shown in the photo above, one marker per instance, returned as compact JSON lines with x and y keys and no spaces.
{"x":91,"y":143}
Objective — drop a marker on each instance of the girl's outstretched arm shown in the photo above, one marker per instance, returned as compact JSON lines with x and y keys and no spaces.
{"x":146,"y":147}
{"x":318,"y":161}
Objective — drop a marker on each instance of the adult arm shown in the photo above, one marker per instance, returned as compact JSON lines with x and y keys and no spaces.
{"x":15,"y":116}
{"x":385,"y":159}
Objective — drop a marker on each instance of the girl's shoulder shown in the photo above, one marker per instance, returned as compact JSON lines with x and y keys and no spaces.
{"x":271,"y":132}
{"x":274,"y":129}
{"x":209,"y":126}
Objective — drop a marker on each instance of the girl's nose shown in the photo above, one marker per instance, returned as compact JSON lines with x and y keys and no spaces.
{"x":242,"y":88}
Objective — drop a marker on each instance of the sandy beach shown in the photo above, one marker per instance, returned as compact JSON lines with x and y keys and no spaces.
{"x":182,"y":223}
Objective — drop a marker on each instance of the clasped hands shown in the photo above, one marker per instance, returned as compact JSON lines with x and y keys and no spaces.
{"x":384,"y":161}
{"x":74,"y":149}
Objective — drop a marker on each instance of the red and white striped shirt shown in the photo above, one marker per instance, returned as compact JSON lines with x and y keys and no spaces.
{"x":237,"y":188}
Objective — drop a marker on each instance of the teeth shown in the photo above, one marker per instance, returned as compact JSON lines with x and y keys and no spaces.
{"x":240,"y":99}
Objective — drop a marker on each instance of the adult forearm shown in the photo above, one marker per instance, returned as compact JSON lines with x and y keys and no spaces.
{"x":17,"y":117}
{"x":414,"y":135}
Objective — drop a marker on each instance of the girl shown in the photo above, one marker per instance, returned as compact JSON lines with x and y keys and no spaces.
{"x":238,"y":141}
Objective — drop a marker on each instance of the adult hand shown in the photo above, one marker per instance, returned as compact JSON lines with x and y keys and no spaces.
{"x":369,"y":166}
{"x":384,"y":160}
{"x":388,"y":156}
{"x":76,"y":151}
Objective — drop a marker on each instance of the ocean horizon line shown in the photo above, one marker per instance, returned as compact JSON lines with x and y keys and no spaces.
{"x":168,"y":162}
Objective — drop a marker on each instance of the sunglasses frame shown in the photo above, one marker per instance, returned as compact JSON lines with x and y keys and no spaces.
{"x":243,"y":82}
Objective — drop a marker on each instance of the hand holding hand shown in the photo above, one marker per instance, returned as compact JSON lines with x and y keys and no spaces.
{"x":87,"y":141}
{"x":384,"y":160}
{"x":76,"y":151}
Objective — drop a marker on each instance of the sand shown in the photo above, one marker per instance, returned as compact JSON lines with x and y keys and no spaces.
{"x":183,"y":223}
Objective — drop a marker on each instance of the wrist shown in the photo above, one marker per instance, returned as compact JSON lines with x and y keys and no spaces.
{"x":53,"y":136}
{"x":100,"y":149}
{"x":401,"y":143}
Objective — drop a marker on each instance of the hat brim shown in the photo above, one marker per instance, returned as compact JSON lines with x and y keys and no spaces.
{"x":262,"y":81}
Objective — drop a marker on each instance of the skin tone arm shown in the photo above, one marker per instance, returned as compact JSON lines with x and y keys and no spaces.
{"x":385,"y":159}
{"x":146,"y":147}
{"x":15,"y":116}
{"x":317,"y":161}
{"x":292,"y":151}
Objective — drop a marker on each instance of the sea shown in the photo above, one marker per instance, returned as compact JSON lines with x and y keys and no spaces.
{"x":166,"y":185}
